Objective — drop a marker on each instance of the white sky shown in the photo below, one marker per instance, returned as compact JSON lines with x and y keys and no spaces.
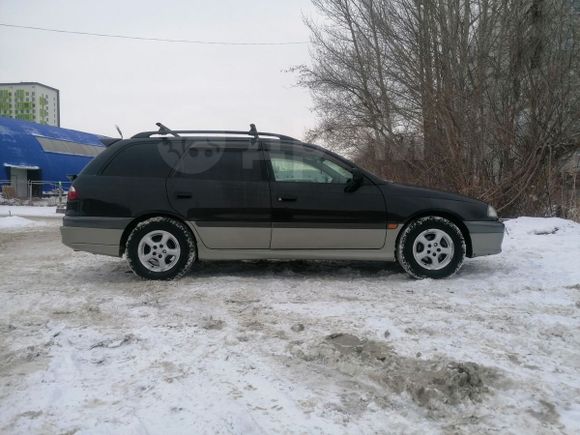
{"x":104,"y":81}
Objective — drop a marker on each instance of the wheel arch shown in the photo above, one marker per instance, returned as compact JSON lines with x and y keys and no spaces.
{"x":453,"y":217}
{"x":144,"y":217}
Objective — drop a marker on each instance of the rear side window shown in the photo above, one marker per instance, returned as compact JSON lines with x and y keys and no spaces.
{"x":144,"y":159}
{"x":95,"y":165}
{"x":221,"y":164}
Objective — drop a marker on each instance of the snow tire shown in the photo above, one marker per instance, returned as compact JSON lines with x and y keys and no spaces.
{"x":179,"y":233}
{"x":413,"y":230}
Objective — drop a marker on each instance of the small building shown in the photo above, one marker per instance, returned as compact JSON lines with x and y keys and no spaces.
{"x":35,"y":158}
{"x":30,"y":101}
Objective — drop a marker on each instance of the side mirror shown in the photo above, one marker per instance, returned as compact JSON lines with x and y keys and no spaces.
{"x":355,"y":182}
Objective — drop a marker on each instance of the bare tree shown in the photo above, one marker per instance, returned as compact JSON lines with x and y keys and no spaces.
{"x":478,"y":96}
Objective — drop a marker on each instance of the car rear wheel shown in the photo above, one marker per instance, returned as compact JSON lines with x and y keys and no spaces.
{"x":431,"y":247}
{"x":161,"y":248}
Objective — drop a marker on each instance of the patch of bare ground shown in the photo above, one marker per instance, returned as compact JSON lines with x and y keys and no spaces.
{"x":431,"y":383}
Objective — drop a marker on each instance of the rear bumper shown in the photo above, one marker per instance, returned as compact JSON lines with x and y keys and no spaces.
{"x":95,"y":235}
{"x":486,"y":237}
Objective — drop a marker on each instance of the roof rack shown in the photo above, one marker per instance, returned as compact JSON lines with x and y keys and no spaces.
{"x":164,"y":131}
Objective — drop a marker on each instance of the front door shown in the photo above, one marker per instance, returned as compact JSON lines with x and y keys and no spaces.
{"x":223,"y":189}
{"x":312,"y":210}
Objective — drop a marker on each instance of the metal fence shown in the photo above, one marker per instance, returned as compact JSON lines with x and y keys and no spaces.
{"x":54,"y":192}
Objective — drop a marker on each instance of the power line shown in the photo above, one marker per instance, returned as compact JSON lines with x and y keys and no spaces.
{"x":143,"y":38}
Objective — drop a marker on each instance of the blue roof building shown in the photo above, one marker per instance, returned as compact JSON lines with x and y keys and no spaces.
{"x":43,"y":154}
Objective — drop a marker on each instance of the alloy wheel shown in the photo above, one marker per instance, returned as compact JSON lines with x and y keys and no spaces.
{"x":433,"y":249}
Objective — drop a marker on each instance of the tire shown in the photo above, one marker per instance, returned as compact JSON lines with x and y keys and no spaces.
{"x":431,"y":247}
{"x":161,"y":248}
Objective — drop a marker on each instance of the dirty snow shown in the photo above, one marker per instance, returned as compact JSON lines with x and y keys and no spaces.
{"x":291,"y":347}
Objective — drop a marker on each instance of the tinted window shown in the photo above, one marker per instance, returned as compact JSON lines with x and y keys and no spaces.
{"x":298,"y":168}
{"x":139,"y":160}
{"x":221,"y":164}
{"x":95,"y":165}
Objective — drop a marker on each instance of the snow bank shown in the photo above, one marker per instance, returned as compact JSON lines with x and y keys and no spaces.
{"x":27,"y":210}
{"x":16,"y":222}
{"x":530,"y":226}
{"x":540,"y":251}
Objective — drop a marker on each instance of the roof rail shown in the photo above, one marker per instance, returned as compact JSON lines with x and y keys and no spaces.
{"x":164,"y":131}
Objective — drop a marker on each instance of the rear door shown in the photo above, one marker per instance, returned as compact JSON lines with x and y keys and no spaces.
{"x":221,"y":186}
{"x":312,"y":210}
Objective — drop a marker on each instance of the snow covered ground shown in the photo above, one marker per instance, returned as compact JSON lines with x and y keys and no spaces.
{"x":291,"y":347}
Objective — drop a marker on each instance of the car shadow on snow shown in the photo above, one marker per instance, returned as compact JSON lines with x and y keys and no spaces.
{"x":326,"y":269}
{"x":119,"y":271}
{"x":269,"y":269}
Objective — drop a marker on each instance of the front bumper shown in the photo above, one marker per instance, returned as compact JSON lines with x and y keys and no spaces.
{"x":486,"y":237}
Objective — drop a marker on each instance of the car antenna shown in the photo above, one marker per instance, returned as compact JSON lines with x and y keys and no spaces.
{"x":119,"y":130}
{"x":165,"y":130}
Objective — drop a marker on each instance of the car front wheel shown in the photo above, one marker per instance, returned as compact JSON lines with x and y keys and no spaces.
{"x":431,"y":247}
{"x":161,"y":248}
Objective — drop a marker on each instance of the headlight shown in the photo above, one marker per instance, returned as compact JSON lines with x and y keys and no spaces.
{"x":491,"y":213}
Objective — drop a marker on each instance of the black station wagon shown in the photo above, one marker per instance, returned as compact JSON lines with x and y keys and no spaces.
{"x":167,"y":199}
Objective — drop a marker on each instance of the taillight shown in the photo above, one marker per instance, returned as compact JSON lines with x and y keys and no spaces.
{"x":72,"y":194}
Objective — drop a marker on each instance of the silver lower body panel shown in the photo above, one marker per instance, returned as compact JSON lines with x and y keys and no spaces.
{"x":102,"y":241}
{"x":248,"y":243}
{"x":327,"y":238}
{"x":234,"y":237}
{"x":486,"y":237}
{"x":323,"y":246}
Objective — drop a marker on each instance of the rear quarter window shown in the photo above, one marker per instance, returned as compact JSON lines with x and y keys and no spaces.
{"x":221,"y":164}
{"x":95,"y":165}
{"x":142,"y":159}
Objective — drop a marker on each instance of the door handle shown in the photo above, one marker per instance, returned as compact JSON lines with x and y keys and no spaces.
{"x":287,"y":198}
{"x":183,"y":195}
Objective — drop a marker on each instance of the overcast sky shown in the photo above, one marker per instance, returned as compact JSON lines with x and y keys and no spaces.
{"x":104,"y":81}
